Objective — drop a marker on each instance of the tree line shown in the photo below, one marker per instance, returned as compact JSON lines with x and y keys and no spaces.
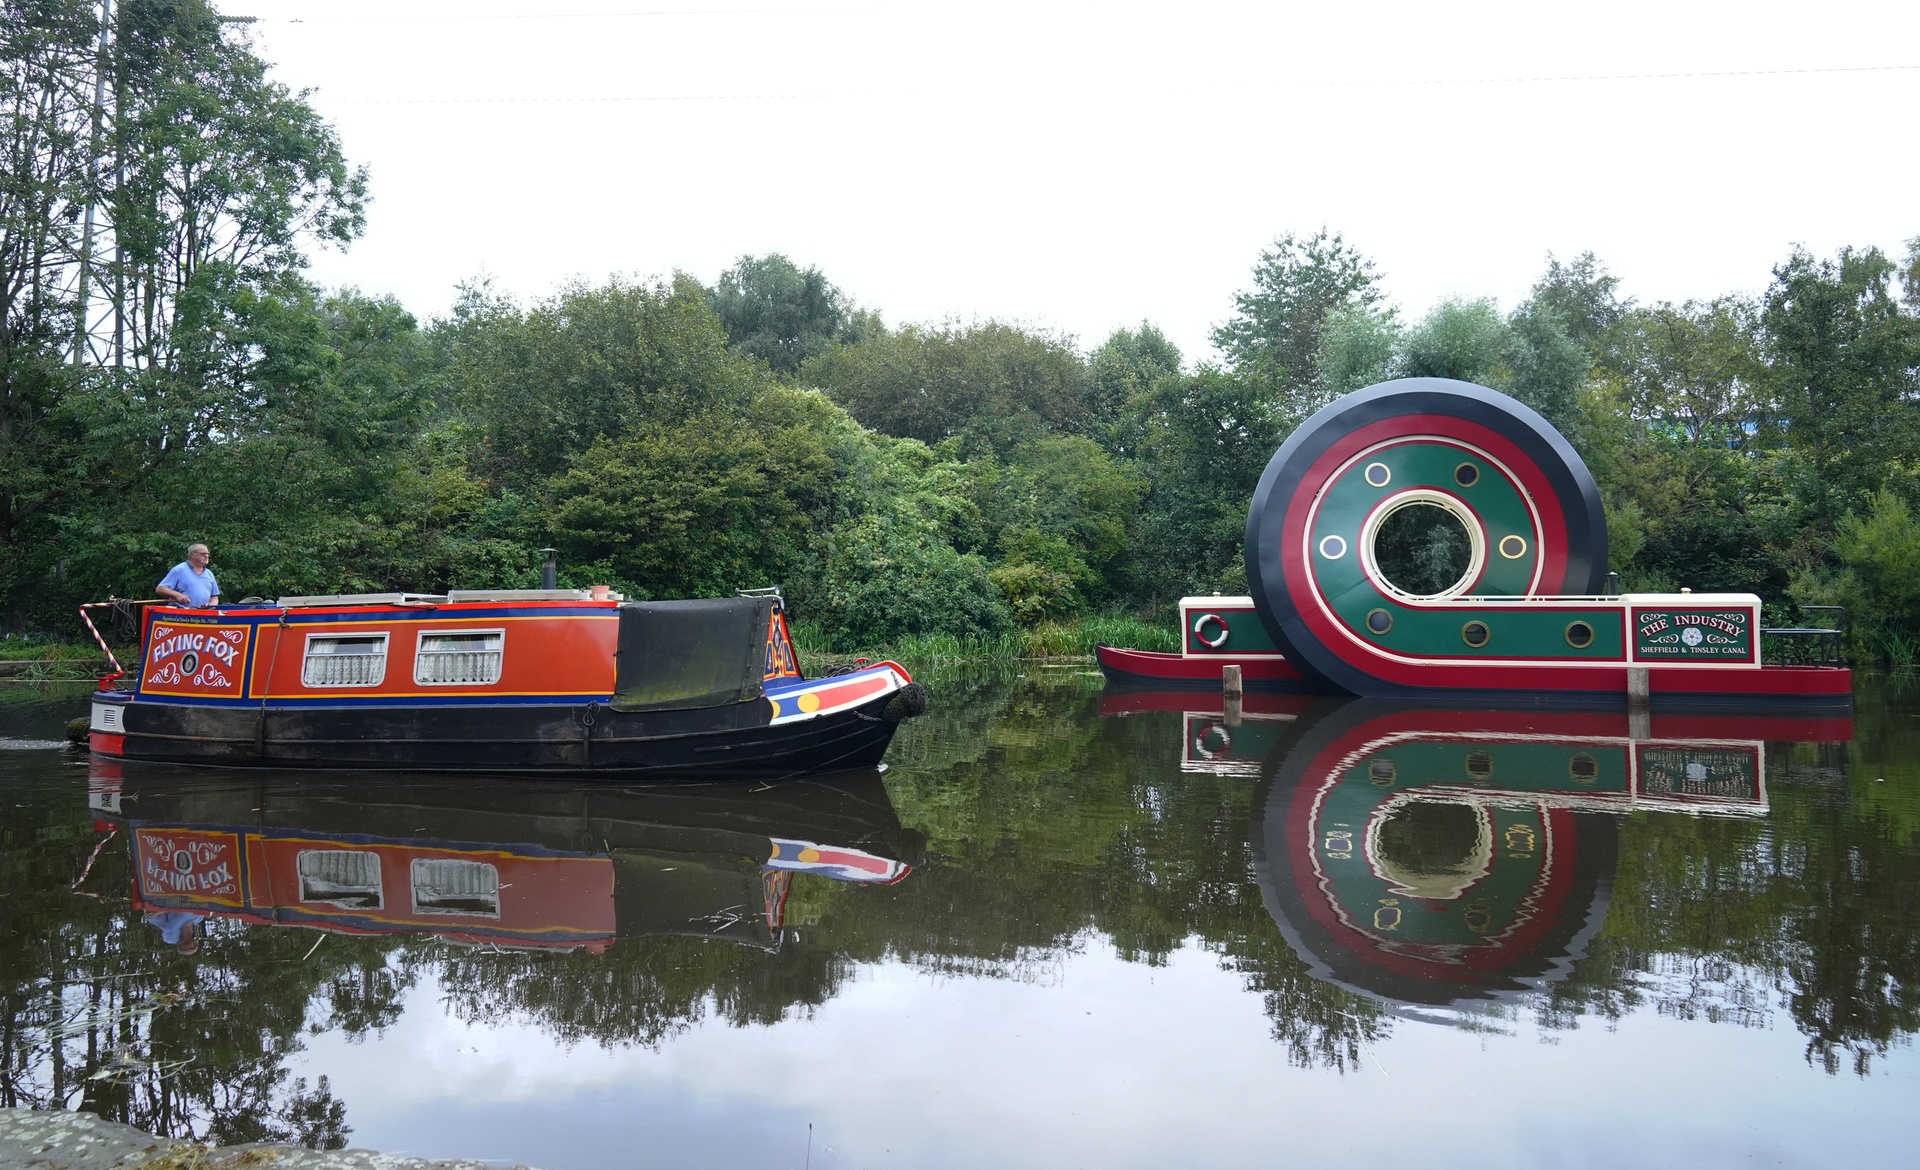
{"x":173,"y":376}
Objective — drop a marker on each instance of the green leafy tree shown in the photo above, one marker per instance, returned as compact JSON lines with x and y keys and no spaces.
{"x":1456,"y":339}
{"x":1585,"y":299}
{"x":1358,"y":347}
{"x":1698,"y":368}
{"x":1275,"y":333}
{"x":701,"y":510}
{"x":1125,"y":367}
{"x":1844,"y":363}
{"x":987,"y":386}
{"x":781,"y":313}
{"x":541,"y":387}
{"x":1207,"y":439}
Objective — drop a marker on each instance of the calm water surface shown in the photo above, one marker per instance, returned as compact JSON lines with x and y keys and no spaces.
{"x":1066,"y":927}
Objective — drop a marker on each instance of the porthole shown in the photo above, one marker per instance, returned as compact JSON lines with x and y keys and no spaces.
{"x":1579,"y":635}
{"x":1583,"y":768}
{"x":1333,"y":547}
{"x":1379,"y":474}
{"x":1513,"y":547}
{"x":1479,"y":765}
{"x":1379,"y":621}
{"x":1382,"y":772}
{"x":1467,"y":474}
{"x":1475,"y":634}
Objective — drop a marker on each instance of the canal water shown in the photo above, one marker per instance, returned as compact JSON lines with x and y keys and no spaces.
{"x":1066,"y":927}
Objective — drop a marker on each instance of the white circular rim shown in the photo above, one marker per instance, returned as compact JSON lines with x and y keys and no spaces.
{"x":1337,"y":539}
{"x":1476,"y":539}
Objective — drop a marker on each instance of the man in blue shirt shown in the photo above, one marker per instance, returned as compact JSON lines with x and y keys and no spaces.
{"x":191,"y":583}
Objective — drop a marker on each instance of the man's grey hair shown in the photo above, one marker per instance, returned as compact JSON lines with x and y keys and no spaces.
{"x":198,"y":545}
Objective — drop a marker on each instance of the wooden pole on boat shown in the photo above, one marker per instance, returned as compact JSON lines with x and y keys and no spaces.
{"x":1230,"y":693}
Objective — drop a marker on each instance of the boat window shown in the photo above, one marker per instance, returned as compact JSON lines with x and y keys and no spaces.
{"x":345,"y":660}
{"x":463,"y":657}
{"x":340,"y":877}
{"x":445,"y":885}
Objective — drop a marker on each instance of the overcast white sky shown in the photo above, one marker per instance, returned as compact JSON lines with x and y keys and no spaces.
{"x":1083,"y":166}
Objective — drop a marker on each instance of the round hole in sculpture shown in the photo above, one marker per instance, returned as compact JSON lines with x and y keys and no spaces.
{"x":1433,"y":849}
{"x":1423,"y":549}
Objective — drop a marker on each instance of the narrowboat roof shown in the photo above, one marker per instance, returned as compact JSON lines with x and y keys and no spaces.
{"x":450,"y":597}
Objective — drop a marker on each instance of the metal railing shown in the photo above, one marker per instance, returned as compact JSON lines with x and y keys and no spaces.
{"x":1821,"y":642}
{"x":119,"y":671}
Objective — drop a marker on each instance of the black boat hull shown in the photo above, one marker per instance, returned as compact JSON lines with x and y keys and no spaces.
{"x":737,"y":740}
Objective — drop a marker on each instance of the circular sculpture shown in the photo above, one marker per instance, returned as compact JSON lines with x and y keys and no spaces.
{"x":1530,"y":509}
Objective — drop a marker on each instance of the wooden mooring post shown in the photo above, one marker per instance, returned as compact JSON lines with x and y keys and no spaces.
{"x":1639,"y":703}
{"x":1230,"y":693}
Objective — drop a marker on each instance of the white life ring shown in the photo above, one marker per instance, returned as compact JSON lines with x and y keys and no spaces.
{"x":1211,"y":643}
{"x":1200,"y":747}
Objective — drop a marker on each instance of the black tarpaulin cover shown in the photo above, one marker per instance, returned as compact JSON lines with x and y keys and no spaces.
{"x":676,"y":655}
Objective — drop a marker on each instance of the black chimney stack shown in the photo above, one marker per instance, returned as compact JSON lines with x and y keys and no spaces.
{"x":550,"y":569}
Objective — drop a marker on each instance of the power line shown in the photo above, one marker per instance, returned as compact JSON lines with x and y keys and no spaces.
{"x":773,"y":97}
{"x":696,"y":97}
{"x":1606,"y":77}
{"x":399,"y":18}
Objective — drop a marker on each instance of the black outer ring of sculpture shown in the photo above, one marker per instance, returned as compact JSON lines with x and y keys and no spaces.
{"x":1567,"y":475}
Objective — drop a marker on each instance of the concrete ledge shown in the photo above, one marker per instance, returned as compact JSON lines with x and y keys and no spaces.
{"x":42,"y":1140}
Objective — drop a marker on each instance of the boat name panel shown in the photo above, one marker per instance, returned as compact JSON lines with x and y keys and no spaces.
{"x":203,"y":661}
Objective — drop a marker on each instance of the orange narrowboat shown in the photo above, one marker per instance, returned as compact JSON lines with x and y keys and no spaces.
{"x":560,"y":681}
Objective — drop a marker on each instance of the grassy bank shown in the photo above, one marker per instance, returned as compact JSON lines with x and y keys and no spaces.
{"x":1055,"y":640}
{"x":31,"y":660}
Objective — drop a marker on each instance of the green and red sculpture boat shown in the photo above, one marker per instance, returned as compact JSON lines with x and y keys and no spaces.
{"x":1527,"y":619}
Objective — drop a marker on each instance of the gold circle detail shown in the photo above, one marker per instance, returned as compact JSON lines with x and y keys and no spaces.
{"x":809,"y":703}
{"x":1513,"y":547}
{"x":1476,"y":634}
{"x":1579,"y":635}
{"x":1467,"y":474}
{"x":1333,"y":547}
{"x":1379,"y":474}
{"x":1379,"y":621}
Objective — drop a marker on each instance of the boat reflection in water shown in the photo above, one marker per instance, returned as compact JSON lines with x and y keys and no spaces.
{"x":501,"y":864}
{"x":1431,"y":857}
